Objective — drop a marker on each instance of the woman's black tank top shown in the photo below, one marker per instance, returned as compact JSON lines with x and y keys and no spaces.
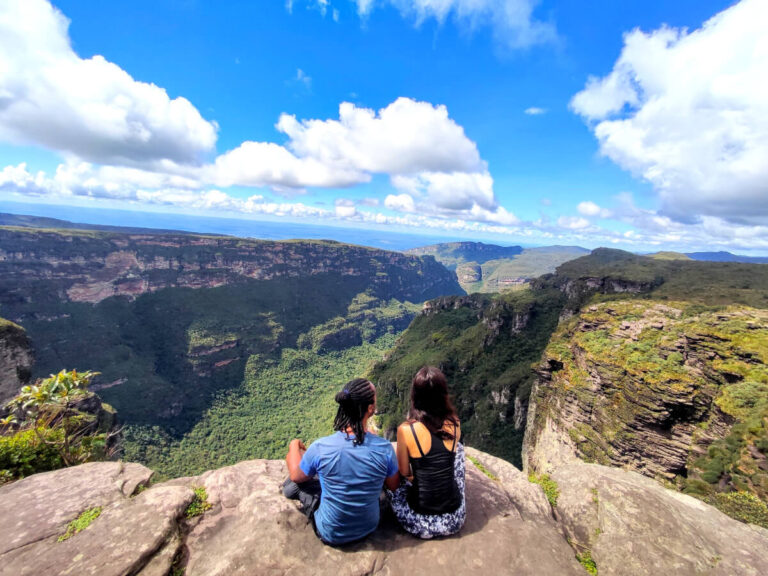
{"x":434,"y":489}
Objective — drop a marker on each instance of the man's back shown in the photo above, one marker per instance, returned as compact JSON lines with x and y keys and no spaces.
{"x":351,"y":478}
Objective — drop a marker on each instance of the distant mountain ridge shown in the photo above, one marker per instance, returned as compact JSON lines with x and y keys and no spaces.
{"x":27,"y":221}
{"x":727,"y":257}
{"x":483,"y":267}
{"x":451,"y":254}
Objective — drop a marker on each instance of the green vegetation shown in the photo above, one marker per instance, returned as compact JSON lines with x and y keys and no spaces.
{"x":669,"y":256}
{"x":27,"y":452}
{"x":485,"y":345}
{"x":743,"y":506}
{"x":54,"y":431}
{"x":80,"y":523}
{"x":483,"y":469}
{"x":199,"y":504}
{"x":549,"y":486}
{"x":585,"y":559}
{"x":285,"y":394}
{"x":707,"y":283}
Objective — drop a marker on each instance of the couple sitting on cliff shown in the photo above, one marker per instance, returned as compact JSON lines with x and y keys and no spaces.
{"x":424,"y":481}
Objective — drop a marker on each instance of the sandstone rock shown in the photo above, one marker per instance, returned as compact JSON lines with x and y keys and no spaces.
{"x":596,"y":400}
{"x":634,"y":526}
{"x":92,"y":269}
{"x":40,"y":506}
{"x":120,"y":541}
{"x":252,"y":529}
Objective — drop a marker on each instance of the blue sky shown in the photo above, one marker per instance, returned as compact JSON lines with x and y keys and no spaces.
{"x":466,"y":119}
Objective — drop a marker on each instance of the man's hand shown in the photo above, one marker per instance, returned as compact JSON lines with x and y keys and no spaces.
{"x":296,"y":450}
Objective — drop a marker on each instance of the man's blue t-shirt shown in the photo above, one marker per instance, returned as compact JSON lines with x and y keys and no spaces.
{"x":351,"y":478}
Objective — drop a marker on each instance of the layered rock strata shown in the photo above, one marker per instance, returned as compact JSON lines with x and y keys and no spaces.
{"x":83,"y":266}
{"x":16,"y":360}
{"x":655,"y":388}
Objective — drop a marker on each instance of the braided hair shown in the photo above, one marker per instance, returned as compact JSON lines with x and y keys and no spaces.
{"x":353,"y":402}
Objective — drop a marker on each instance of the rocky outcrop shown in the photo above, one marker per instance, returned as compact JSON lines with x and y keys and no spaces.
{"x":659,"y":389}
{"x":82,"y":266}
{"x":15,"y":360}
{"x":469,"y":273}
{"x":633,"y":525}
{"x":629,"y":524}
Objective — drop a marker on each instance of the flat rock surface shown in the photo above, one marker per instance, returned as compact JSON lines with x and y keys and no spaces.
{"x":252,"y":529}
{"x":42,"y":505}
{"x":635,"y":526}
{"x":120,"y":541}
{"x":631,"y":525}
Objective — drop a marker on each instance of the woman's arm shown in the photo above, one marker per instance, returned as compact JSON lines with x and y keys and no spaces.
{"x":403,"y":459}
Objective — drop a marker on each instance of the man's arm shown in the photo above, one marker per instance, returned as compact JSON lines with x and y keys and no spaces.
{"x":393,"y":482}
{"x":296,"y":450}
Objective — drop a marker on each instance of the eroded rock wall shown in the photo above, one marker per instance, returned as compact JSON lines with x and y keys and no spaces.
{"x":16,"y":360}
{"x":92,"y":266}
{"x":655,"y":388}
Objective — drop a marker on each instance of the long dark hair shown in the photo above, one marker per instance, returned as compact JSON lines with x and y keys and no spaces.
{"x":353,"y":402}
{"x":430,"y":403}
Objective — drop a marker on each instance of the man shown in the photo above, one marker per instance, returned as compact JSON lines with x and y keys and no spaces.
{"x":353,"y":465}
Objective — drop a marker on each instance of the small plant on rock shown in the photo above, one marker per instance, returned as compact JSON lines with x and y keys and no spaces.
{"x":551,"y":491}
{"x":80,"y":523}
{"x":199,"y":504}
{"x":482,"y":468}
{"x":585,"y":559}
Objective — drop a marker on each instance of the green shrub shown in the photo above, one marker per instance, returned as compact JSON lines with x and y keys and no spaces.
{"x":743,"y":506}
{"x":26,"y":452}
{"x":200,"y":504}
{"x":482,"y":468}
{"x":50,"y":414}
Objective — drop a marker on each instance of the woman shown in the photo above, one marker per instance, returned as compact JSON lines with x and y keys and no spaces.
{"x":352,"y":465}
{"x":431,"y":458}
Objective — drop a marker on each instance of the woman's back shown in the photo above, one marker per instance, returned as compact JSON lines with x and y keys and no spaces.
{"x":431,"y":458}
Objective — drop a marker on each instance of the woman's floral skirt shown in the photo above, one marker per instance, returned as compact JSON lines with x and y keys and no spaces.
{"x":430,"y":525}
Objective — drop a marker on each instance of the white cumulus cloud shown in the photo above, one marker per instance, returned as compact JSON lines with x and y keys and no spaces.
{"x":591,"y":209}
{"x":535,"y":111}
{"x":400,"y":202}
{"x":90,"y":107}
{"x":405,"y":137}
{"x":688,"y":112}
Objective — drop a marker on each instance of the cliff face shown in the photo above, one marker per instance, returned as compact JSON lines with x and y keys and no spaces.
{"x":169,"y":320}
{"x":15,"y":360}
{"x":618,"y":521}
{"x":668,"y":390}
{"x":80,"y":266}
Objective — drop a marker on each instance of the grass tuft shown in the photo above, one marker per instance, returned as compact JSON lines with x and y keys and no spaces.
{"x":585,"y":559}
{"x":482,"y":468}
{"x":80,"y":523}
{"x":551,"y":491}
